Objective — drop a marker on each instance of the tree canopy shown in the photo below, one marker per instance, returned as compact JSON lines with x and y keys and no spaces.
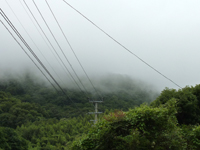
{"x":41,"y":118}
{"x":188,"y":103}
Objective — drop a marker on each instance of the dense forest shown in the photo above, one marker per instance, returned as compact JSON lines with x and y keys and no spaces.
{"x":171,"y":122}
{"x":34,"y":116}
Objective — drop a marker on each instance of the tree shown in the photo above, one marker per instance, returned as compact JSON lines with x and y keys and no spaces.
{"x":14,"y":113}
{"x":10,"y":140}
{"x":187,"y":104}
{"x":141,"y":128}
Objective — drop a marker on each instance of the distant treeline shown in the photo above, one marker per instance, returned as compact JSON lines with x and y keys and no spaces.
{"x":38,"y":117}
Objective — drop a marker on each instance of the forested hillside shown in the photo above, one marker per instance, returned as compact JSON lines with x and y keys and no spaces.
{"x":38,"y":117}
{"x":171,"y":122}
{"x":118,"y":92}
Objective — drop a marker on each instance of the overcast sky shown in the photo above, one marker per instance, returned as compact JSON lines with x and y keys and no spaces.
{"x":164,"y":33}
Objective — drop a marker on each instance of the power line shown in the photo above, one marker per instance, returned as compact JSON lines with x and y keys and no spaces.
{"x":33,"y":41}
{"x":29,"y":56}
{"x":51,"y":44}
{"x":72,"y":50}
{"x":60,"y":47}
{"x":23,"y":41}
{"x":43,"y":37}
{"x":122,"y":45}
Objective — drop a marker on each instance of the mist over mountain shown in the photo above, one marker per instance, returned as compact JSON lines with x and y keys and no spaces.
{"x":116,"y":91}
{"x":145,"y":47}
{"x":104,"y":84}
{"x":163,"y":34}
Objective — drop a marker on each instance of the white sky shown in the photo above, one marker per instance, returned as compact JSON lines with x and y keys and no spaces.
{"x":165,"y":34}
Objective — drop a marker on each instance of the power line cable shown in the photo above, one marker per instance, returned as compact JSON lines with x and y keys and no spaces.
{"x":34,"y":42}
{"x":21,"y":38}
{"x":60,"y":47}
{"x":72,"y":49}
{"x":122,"y":45}
{"x":44,"y":39}
{"x":29,"y":56}
{"x":51,"y":44}
{"x":25,"y":43}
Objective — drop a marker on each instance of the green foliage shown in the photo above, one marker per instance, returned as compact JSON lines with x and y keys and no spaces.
{"x":41,"y":119}
{"x":141,"y":128}
{"x":14,"y":113}
{"x":10,"y":140}
{"x":121,"y":93}
{"x":53,"y":132}
{"x":187,"y":103}
{"x":192,"y":136}
{"x":49,"y":120}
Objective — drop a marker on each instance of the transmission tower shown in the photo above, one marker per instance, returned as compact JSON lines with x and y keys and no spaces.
{"x":95,"y":103}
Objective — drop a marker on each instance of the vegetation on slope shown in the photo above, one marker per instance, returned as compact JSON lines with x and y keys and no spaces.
{"x":171,"y":122}
{"x":34,"y":116}
{"x":188,"y":103}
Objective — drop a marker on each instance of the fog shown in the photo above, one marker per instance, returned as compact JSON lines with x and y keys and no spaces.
{"x":165,"y":34}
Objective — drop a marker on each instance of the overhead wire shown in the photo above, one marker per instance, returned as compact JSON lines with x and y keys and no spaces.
{"x":60,"y":49}
{"x":25,"y":43}
{"x":35,"y":56}
{"x":29,"y":56}
{"x":114,"y":41}
{"x":122,"y":45}
{"x":33,"y":42}
{"x":43,"y":38}
{"x":72,"y":49}
{"x":52,"y":46}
